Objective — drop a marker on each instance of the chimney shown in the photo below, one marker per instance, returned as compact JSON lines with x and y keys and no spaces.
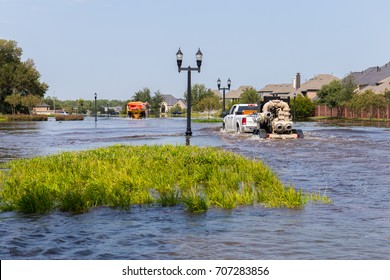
{"x":297,"y":81}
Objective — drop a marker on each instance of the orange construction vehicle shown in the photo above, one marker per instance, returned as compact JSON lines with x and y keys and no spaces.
{"x":137,"y":110}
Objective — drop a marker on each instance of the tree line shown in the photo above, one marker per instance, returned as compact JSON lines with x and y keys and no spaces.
{"x":342,"y":94}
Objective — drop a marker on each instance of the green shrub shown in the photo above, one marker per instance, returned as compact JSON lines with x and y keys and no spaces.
{"x":25,"y":118}
{"x":69,"y":117}
{"x":121,"y":176}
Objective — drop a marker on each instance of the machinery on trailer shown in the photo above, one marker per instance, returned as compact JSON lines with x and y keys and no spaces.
{"x":274,"y":119}
{"x":137,"y":109}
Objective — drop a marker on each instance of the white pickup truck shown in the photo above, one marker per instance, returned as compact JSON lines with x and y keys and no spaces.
{"x":239,"y":118}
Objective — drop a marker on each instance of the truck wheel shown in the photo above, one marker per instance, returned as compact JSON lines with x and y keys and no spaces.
{"x":299,"y":132}
{"x":223,"y":126}
{"x":238,"y":130}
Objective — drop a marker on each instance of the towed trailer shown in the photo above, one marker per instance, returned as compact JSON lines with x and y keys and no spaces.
{"x":274,"y":119}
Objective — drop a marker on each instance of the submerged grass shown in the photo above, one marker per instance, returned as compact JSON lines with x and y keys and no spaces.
{"x":24,"y":118}
{"x":77,"y":117}
{"x":121,"y":176}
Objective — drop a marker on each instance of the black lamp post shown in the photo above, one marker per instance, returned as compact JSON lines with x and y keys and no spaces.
{"x":229,"y":82}
{"x":179,"y":59}
{"x":95,"y":107}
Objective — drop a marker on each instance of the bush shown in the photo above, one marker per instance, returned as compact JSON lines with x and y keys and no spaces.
{"x":25,"y":118}
{"x":305,"y":107}
{"x":69,"y":117}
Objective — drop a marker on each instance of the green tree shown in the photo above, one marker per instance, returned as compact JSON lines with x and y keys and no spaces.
{"x":198,"y":92}
{"x":369,"y":102}
{"x":155,"y":103}
{"x":80,"y":103}
{"x":328,"y":94}
{"x":305,"y":107}
{"x":209,"y":104}
{"x":337,"y":94}
{"x":14,"y":100}
{"x":17,"y":76}
{"x":348,"y":91}
{"x":250,"y":95}
{"x":30,"y":101}
{"x":143,"y":95}
{"x":387,"y":96}
{"x":49,"y":100}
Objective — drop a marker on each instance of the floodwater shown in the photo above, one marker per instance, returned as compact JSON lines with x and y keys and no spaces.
{"x":350,"y":164}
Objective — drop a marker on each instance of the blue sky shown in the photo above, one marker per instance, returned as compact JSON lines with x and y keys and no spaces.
{"x":117,"y":47}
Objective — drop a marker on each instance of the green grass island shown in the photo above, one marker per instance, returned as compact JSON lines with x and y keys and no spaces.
{"x":161,"y":175}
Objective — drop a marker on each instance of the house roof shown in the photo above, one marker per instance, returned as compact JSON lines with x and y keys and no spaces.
{"x":236,"y":93}
{"x":372,"y":75}
{"x":381,"y":87}
{"x":315,"y":83}
{"x":277,"y":88}
{"x":170,"y":99}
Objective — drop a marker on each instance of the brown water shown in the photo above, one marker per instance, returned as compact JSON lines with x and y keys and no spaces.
{"x":351,"y":164}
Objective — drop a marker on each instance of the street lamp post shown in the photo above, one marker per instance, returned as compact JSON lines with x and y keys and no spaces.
{"x":229,"y":82}
{"x":95,"y":107}
{"x":179,"y":59}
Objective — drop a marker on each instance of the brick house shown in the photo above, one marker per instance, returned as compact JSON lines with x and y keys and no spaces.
{"x":42,"y":109}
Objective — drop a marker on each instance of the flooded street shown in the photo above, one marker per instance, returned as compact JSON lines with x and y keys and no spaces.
{"x":350,"y":164}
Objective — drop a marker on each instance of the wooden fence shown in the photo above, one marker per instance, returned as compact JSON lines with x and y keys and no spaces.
{"x":324,"y":111}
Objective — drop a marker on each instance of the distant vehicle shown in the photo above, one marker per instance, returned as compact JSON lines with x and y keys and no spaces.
{"x":176,"y":113}
{"x":137,"y":109}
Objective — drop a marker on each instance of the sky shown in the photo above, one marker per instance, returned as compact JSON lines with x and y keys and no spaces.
{"x":117,"y":47}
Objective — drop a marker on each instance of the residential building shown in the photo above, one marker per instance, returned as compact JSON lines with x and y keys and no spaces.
{"x":374,"y":78}
{"x":282,"y":90}
{"x":234,"y":95}
{"x":312,"y":86}
{"x":308,"y":88}
{"x":380,"y":87}
{"x":277,"y":89}
{"x":169,"y":102}
{"x":42,"y":109}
